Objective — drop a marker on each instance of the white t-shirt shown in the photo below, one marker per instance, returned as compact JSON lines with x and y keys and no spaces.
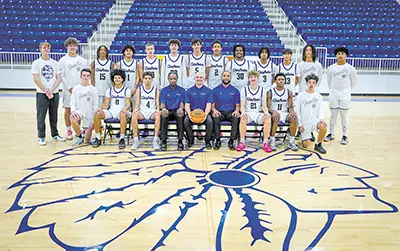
{"x":254,"y":98}
{"x":306,"y":68}
{"x":71,"y":71}
{"x":309,"y":108}
{"x":84,"y":100}
{"x":47,"y":70}
{"x":341,"y":79}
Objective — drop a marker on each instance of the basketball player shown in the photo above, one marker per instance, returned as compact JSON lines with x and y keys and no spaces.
{"x":71,"y":66}
{"x":101,"y":68}
{"x":308,"y":66}
{"x":239,"y":67}
{"x":196,"y":62}
{"x":151,"y":64}
{"x":198,"y":96}
{"x":217,"y":65}
{"x":46,"y":74}
{"x":130,"y":66}
{"x":266,"y":68}
{"x":147,"y":107}
{"x":226,"y":107}
{"x":172,"y":100}
{"x":84,"y":101}
{"x":280,"y":105}
{"x":290,"y":69}
{"x":310,"y":114}
{"x":118,"y":99}
{"x":253,"y":106}
{"x":342,"y":78}
{"x":173,"y":62}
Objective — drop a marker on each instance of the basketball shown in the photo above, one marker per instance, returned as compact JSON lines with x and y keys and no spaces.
{"x":197,"y":116}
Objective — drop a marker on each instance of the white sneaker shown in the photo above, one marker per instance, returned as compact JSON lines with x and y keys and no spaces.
{"x":292,"y":145}
{"x":42,"y":141}
{"x":135,"y":144}
{"x":156,"y":144}
{"x":78,"y":141}
{"x":272,"y":144}
{"x":59,"y":138}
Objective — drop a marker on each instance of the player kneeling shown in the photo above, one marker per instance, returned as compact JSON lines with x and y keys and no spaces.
{"x":118,"y":99}
{"x":280,"y":105}
{"x":310,"y":114}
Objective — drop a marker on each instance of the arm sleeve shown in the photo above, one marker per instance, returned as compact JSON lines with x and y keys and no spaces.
{"x":353,"y":77}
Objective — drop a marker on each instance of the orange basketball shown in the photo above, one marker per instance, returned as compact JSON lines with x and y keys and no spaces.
{"x":197,"y":116}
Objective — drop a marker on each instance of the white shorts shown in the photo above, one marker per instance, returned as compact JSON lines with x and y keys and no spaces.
{"x":283,"y":117}
{"x":255,"y":117}
{"x":309,"y":128}
{"x":342,"y":104}
{"x":66,"y":99}
{"x":85,"y":122}
{"x":147,"y":114}
{"x":111,"y":114}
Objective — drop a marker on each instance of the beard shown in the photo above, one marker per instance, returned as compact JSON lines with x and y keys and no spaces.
{"x":226,"y":82}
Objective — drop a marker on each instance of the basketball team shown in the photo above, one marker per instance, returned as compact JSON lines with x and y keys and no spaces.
{"x":192,"y":90}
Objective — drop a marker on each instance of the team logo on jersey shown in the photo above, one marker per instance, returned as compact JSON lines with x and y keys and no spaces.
{"x":47,"y":72}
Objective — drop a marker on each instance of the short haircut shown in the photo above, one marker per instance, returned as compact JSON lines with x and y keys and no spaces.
{"x":254,"y":73}
{"x":196,"y":40}
{"x":173,"y":73}
{"x":236,"y":46}
{"x":98,"y":50}
{"x":71,"y":40}
{"x":313,"y":53}
{"x":149,"y":44}
{"x":43,"y":44}
{"x":288,"y":51}
{"x":216,"y":42}
{"x":174,"y":41}
{"x":200,"y":73}
{"x":280,"y":74}
{"x":312,"y":76}
{"x":147,"y":73}
{"x":263,"y":49}
{"x":128,"y":46}
{"x":341,"y":49}
{"x":118,"y":72}
{"x":86,"y":70}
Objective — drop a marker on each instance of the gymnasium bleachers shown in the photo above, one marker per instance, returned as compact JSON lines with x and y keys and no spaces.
{"x":368,"y":29}
{"x":231,"y":21}
{"x":23,"y":24}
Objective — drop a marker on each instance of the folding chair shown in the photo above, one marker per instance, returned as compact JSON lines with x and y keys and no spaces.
{"x":110,"y":128}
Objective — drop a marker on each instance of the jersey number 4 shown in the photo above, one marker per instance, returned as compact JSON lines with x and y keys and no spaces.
{"x":148,"y":104}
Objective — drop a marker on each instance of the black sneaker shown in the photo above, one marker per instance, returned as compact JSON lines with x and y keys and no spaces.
{"x":164,"y":145}
{"x":217,"y":144}
{"x":344,"y":140}
{"x":230,"y":145}
{"x":208,"y":145}
{"x":180,"y":145}
{"x":312,"y":137}
{"x":190,"y":143}
{"x":329,"y":137}
{"x":96,"y":143}
{"x":319,"y":148}
{"x":121,"y":144}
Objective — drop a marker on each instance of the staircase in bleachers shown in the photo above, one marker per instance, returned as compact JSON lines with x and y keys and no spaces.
{"x":231,"y":21}
{"x":368,"y":29}
{"x":24,"y":24}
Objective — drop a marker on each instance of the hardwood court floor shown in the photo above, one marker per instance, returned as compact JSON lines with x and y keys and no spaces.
{"x":55,"y":197}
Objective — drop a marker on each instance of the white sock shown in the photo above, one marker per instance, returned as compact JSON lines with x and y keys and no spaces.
{"x":96,"y":135}
{"x":333,"y":120}
{"x":136,"y":139}
{"x":242,"y":140}
{"x":291,"y":139}
{"x":265,"y":140}
{"x":69,"y":128}
{"x":344,"y":116}
{"x":122,"y":136}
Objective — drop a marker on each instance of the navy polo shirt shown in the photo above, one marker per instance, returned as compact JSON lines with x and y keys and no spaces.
{"x":172,"y":97}
{"x":226,"y":98}
{"x":198,"y":97}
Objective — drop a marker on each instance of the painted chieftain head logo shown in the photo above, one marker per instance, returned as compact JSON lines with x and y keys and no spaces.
{"x":47,"y":72}
{"x":263,"y":199}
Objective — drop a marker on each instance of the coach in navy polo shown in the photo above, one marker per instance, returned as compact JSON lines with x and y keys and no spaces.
{"x":172,"y":108}
{"x":198,"y":97}
{"x":226,"y":107}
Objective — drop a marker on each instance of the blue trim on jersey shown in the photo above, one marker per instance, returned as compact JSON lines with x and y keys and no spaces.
{"x":202,"y":54}
{"x":173,"y":61}
{"x":123,"y":87}
{"x":240,"y":65}
{"x":258,"y":88}
{"x":133,"y":61}
{"x":147,"y":92}
{"x":283,"y":65}
{"x":155,"y":59}
{"x":103,"y":64}
{"x":284,"y":90}
{"x":259,"y":63}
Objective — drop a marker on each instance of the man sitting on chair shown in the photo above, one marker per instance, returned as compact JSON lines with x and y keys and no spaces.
{"x":253,"y":106}
{"x":172,"y":108}
{"x":280,"y":105}
{"x":116,"y":105}
{"x":147,"y":107}
{"x":198,"y":96}
{"x":226,"y":107}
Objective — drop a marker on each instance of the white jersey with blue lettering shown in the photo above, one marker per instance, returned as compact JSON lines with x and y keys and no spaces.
{"x":253,"y":98}
{"x":176,"y":65}
{"x":153,"y":66}
{"x":217,"y":66}
{"x":130,"y":69}
{"x":279,"y":99}
{"x":102,"y":77}
{"x":291,"y":71}
{"x":239,"y":72}
{"x":266,"y":71}
{"x":117,"y":98}
{"x":195,"y":65}
{"x":148,"y":99}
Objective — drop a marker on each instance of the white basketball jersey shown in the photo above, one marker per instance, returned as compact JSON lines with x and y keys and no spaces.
{"x":117,"y":97}
{"x":102,"y":75}
{"x":291,"y":72}
{"x":195,"y":64}
{"x":130,"y":72}
{"x":279,"y":99}
{"x":148,"y":99}
{"x":254,"y":100}
{"x":175,"y":65}
{"x":265,"y":71}
{"x":217,"y":66}
{"x":153,"y":67}
{"x":239,"y":72}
